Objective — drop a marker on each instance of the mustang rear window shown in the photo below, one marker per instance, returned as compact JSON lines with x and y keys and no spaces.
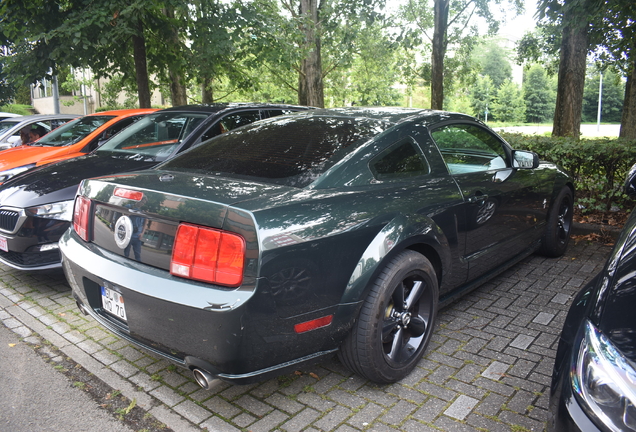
{"x":292,"y":152}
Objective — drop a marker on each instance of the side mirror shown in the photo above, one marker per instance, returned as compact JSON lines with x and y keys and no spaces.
{"x":525,"y":159}
{"x":630,"y":182}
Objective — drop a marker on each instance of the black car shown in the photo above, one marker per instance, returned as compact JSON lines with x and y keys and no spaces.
{"x":36,"y":207}
{"x":594,"y":378}
{"x":300,"y":236}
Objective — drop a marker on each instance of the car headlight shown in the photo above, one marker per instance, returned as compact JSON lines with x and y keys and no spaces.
{"x":605,"y":381}
{"x":6,"y":175}
{"x":62,"y":210}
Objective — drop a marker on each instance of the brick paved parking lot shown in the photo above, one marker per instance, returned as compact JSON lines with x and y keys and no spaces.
{"x":488,"y":366}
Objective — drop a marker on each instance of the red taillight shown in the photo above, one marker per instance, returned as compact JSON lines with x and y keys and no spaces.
{"x":81,"y":214}
{"x":128,"y":194}
{"x":208,"y":255}
{"x":313,"y":324}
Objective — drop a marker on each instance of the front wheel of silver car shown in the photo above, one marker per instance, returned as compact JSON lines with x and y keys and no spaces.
{"x":396,"y":321}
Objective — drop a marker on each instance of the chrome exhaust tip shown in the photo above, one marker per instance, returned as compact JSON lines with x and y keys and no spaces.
{"x":203,"y":378}
{"x":81,"y":307}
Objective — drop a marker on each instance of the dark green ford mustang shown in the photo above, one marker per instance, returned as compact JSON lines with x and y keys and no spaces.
{"x":300,"y":236}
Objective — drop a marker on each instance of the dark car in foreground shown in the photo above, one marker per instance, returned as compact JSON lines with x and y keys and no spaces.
{"x":36,"y":207}
{"x":594,"y":378}
{"x":297,"y":237}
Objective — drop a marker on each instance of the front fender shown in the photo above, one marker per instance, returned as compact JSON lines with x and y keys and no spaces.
{"x":403,"y":232}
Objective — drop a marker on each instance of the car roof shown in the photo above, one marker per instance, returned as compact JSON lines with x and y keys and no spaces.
{"x":124,"y":112}
{"x":218,"y":107}
{"x":392,"y":115}
{"x":41,"y":117}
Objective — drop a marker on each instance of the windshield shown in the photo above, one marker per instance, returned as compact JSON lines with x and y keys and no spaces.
{"x":74,"y":131}
{"x":6,"y":125}
{"x":154,"y":137}
{"x":284,"y":150}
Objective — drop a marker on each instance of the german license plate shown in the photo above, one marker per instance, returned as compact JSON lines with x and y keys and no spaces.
{"x":113,"y":303}
{"x":3,"y":244}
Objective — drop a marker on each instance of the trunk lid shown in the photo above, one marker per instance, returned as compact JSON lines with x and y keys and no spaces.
{"x":150,"y":221}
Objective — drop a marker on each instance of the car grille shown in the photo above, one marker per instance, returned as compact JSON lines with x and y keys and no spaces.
{"x":32,"y":259}
{"x":8,"y":219}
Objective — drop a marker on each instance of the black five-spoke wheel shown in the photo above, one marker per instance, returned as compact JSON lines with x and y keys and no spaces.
{"x":396,"y":320}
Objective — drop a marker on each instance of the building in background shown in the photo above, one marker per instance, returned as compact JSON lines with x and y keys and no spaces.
{"x":86,"y":97}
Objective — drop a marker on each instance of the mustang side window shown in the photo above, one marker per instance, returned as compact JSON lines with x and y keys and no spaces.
{"x":230,"y":122}
{"x":398,"y":162}
{"x":469,"y":148}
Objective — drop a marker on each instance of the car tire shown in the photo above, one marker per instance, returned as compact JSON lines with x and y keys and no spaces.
{"x":396,"y":321}
{"x":557,"y":233}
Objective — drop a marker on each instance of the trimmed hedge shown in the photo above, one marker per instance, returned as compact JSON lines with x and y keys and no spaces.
{"x":599,"y":166}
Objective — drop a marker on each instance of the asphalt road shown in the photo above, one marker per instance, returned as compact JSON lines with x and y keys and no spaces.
{"x":35,"y":397}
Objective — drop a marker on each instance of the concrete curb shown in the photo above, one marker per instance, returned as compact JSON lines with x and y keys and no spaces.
{"x":586,"y":229}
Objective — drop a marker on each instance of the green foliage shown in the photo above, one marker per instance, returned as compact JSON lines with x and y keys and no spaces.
{"x":494,"y":63}
{"x":22,"y":95}
{"x":17,"y":109}
{"x":599,"y":166}
{"x":612,"y":98}
{"x":459,"y":102}
{"x":508,"y":105}
{"x":374,"y":69}
{"x":482,"y":96}
{"x":111,"y":91}
{"x":538,"y":95}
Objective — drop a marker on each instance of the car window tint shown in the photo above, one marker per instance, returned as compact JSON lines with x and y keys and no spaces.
{"x":469,"y":148}
{"x":277,"y":150}
{"x":398,"y":162}
{"x":233,"y":121}
{"x":74,"y":131}
{"x":154,"y":137}
{"x":110,"y":132}
{"x":58,"y":122}
{"x":230,"y":122}
{"x":277,"y":112}
{"x":6,"y":125}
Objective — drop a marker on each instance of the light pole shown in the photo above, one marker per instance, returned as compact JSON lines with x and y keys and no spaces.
{"x":600,"y":98}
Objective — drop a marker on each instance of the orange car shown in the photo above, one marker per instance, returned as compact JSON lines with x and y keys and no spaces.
{"x":75,"y":138}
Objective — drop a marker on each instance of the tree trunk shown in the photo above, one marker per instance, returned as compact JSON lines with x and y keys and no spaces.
{"x":439,"y":52}
{"x":207,"y":97}
{"x":628,"y":121}
{"x":310,"y":85}
{"x":574,"y":47}
{"x":178,"y":93}
{"x":141,"y":68}
{"x":177,"y":89}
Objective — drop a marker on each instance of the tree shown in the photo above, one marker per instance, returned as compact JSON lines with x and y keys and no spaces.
{"x":618,"y":30}
{"x":482,"y":96}
{"x":450,"y":23}
{"x":495,"y":64}
{"x":221,"y":35}
{"x":508,"y":105}
{"x":44,"y":35}
{"x":575,"y":31}
{"x":311,"y":37}
{"x":574,"y":48}
{"x":539,"y":98}
{"x":374,"y":71}
{"x":612,"y":97}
